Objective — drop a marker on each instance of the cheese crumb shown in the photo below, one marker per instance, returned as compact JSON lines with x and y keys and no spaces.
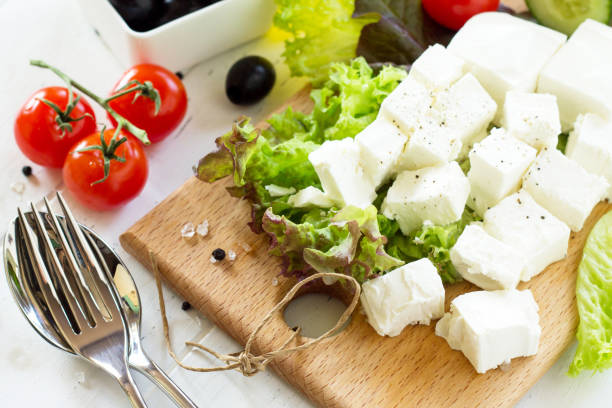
{"x":202,"y":229}
{"x":212,"y":259}
{"x":247,"y":248}
{"x":275,"y":282}
{"x":188,"y":230}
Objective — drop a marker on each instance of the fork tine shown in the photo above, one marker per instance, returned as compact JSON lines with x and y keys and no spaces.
{"x":57,"y":271}
{"x":82,"y":287}
{"x":41,"y":275}
{"x":101,"y":281}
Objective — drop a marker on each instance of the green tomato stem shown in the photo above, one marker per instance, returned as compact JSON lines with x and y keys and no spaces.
{"x":121,"y":121}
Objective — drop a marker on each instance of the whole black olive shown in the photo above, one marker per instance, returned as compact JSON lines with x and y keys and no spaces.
{"x":249,"y":80}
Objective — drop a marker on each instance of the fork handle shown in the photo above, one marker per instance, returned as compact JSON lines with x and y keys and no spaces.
{"x":131,"y":390}
{"x":155,"y":374}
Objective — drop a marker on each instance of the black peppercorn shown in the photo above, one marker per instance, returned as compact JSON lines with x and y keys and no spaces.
{"x":186,"y":306}
{"x":218,"y":254}
{"x":27,"y":171}
{"x":179,"y":74}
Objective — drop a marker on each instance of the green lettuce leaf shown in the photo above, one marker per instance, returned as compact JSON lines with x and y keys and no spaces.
{"x":429,"y":241}
{"x":346,"y":241}
{"x":343,"y":106}
{"x":321,"y":32}
{"x":357,"y":94}
{"x":594,"y":299}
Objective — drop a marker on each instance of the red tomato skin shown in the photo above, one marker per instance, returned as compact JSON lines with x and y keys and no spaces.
{"x":454,"y":13}
{"x":142,"y":112}
{"x":38,"y":135}
{"x":125,"y":180}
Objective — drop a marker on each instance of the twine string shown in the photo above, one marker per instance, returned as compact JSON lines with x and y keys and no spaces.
{"x":245,"y":361}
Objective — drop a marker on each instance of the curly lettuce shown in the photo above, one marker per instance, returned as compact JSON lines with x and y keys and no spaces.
{"x":594,"y":299}
{"x":430,"y":241}
{"x":321,"y":32}
{"x":346,"y":241}
{"x":343,"y":106}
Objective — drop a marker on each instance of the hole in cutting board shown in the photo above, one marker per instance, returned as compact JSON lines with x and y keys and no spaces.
{"x":315,"y":313}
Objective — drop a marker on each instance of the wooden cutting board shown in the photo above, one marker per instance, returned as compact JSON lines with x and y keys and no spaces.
{"x":356,"y":368}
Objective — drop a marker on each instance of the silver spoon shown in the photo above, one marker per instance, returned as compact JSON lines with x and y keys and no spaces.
{"x":30,"y":302}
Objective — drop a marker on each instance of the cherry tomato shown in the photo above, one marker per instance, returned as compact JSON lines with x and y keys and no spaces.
{"x":37,"y":132}
{"x":83,"y":171}
{"x":141,"y":112}
{"x":454,"y":13}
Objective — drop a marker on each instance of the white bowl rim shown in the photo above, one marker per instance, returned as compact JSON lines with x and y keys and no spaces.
{"x":166,"y":26}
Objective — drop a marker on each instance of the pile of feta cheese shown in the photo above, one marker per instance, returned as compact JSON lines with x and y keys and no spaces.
{"x":530,"y":84}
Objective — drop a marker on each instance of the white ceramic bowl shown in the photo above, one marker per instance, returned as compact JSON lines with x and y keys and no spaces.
{"x":185,"y":41}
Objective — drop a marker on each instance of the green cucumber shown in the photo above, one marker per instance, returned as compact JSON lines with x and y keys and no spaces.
{"x":567,"y":15}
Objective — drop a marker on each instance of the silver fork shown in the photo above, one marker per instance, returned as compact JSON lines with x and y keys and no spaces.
{"x":80,"y":299}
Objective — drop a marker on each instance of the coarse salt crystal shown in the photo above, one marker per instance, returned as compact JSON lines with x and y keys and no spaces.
{"x":274,"y":282}
{"x":188,"y":230}
{"x":212,"y":259}
{"x":202,"y":228}
{"x":18,"y":187}
{"x":247,"y":248}
{"x":231,"y":255}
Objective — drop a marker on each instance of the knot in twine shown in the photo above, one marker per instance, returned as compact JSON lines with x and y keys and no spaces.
{"x":244,"y":361}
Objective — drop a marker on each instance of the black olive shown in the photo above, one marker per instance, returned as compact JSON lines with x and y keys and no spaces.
{"x":141,"y":15}
{"x":249,"y":80}
{"x":145,"y":15}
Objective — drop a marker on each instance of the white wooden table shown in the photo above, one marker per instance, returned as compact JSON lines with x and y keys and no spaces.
{"x":32,"y":373}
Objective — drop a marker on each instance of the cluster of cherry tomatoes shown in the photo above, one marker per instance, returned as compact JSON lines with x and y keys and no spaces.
{"x":103,"y":167}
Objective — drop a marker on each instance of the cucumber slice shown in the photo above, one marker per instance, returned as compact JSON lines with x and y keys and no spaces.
{"x":566,"y":15}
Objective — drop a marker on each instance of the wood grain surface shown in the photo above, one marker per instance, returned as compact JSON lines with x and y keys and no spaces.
{"x":356,"y":368}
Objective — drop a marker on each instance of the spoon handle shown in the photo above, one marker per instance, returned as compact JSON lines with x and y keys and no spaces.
{"x":159,"y":378}
{"x":131,"y":390}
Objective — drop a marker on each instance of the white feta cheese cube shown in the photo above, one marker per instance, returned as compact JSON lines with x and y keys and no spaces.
{"x":532,"y":118}
{"x":535,"y":233}
{"x":310,"y":197}
{"x":337,"y":165}
{"x":438,"y":123}
{"x":505,"y":52}
{"x":407,"y":105}
{"x":430,"y":144}
{"x":381,"y":144}
{"x":437,"y":68}
{"x":579,"y":73}
{"x":564,"y":188}
{"x":480,"y":199}
{"x":465,"y":109}
{"x":279,"y":191}
{"x":486,"y":261}
{"x":491,"y":328}
{"x":410,"y":294}
{"x":469,"y":145}
{"x":437,"y":194}
{"x":496,"y":167}
{"x":590,"y":145}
